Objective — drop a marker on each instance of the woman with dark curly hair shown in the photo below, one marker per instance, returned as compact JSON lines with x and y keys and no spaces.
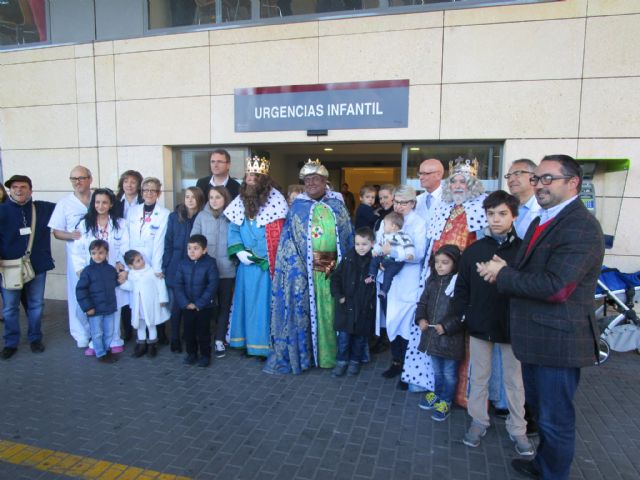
{"x":256,"y":215}
{"x":104,"y":222}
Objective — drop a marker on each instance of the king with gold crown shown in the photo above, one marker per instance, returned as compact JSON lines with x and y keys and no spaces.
{"x":256,"y":217}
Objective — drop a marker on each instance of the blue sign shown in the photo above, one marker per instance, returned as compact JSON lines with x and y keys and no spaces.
{"x":332,"y":106}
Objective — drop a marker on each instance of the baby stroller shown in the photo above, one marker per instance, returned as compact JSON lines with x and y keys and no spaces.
{"x":619,"y":332}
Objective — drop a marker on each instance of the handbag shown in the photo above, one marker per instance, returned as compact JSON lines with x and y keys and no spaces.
{"x":17,"y":272}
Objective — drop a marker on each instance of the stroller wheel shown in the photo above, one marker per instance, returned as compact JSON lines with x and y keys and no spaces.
{"x":603,"y":351}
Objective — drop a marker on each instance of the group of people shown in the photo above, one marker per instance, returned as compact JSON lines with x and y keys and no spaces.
{"x":294,"y":284}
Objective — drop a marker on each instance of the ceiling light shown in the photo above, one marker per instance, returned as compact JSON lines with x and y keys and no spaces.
{"x":415,"y":149}
{"x":328,"y":149}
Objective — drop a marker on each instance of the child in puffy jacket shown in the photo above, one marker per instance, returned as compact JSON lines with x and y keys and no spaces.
{"x":196,"y":285}
{"x":442,"y":332}
{"x":96,"y":296}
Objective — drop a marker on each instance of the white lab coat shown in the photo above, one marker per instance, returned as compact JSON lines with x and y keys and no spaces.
{"x":148,"y":237}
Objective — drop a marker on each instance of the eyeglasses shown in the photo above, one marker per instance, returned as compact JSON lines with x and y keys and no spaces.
{"x":547,"y":178}
{"x":425,"y":174}
{"x":402,"y":202}
{"x":517,"y":174}
{"x":79,"y":179}
{"x":149,"y":190}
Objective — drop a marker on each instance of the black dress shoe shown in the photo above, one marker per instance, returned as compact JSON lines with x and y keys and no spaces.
{"x":393,"y":371}
{"x":525,"y":467}
{"x":37,"y":347}
{"x":7,"y":352}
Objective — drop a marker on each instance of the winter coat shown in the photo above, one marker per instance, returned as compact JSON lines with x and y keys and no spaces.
{"x":175,"y":246}
{"x":216,"y":231}
{"x":365,"y":216}
{"x":96,"y":288}
{"x":13,"y":245}
{"x":357,"y":315}
{"x":486,"y":312}
{"x":196,"y":282}
{"x":435,"y":306}
{"x":148,"y":292}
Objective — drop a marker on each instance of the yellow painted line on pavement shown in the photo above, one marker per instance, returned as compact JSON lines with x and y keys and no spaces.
{"x":75,"y":466}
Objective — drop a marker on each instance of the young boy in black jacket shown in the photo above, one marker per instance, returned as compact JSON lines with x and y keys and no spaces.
{"x":486,"y":317}
{"x":196,"y":285}
{"x":96,"y":296}
{"x":355,"y":312}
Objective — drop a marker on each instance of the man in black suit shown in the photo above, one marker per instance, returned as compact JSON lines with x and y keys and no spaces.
{"x":220,"y":163}
{"x":553,"y":327}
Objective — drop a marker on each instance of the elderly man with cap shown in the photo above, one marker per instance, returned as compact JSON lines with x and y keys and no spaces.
{"x":16,"y":218}
{"x":316,"y":234}
{"x":69,"y":211}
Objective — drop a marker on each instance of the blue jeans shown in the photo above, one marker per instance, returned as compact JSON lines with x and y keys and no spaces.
{"x":445,"y":372}
{"x":101,"y":327}
{"x":34,"y":291}
{"x":549,"y":391}
{"x":350,"y":347}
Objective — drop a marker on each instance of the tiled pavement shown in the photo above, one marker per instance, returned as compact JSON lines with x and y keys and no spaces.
{"x":232,"y":421}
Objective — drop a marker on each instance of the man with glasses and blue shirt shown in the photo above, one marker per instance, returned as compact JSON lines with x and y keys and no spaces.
{"x":553,"y":328}
{"x":220,"y":164}
{"x":64,"y":221}
{"x":519,"y":186}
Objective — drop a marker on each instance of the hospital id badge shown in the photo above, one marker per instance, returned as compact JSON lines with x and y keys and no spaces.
{"x":25,"y":231}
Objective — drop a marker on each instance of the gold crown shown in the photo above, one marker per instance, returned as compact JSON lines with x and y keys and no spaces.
{"x":257,"y":165}
{"x":465,"y":167}
{"x":313,"y":167}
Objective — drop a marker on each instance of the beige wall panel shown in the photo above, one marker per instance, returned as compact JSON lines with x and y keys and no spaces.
{"x":616,"y":148}
{"x":610,"y":107}
{"x":267,"y":33}
{"x":376,"y":56}
{"x":85,"y":80}
{"x":424,"y":120}
{"x":164,"y":121}
{"x":103,"y":48}
{"x":38,"y":83}
{"x":83,"y":50}
{"x":105,"y":78}
{"x":168,"y":73}
{"x":108,"y":167}
{"x":546,"y":109}
{"x":87,"y":134}
{"x":147,"y":160}
{"x":161,"y":42}
{"x":47,"y":168}
{"x":37,"y":54}
{"x":626,"y":241}
{"x":106,"y":123}
{"x":54,"y":126}
{"x":514,"y":51}
{"x":381,"y":23}
{"x":613,"y":7}
{"x":223,"y":128}
{"x":624,"y":263}
{"x":535,"y":150}
{"x":283,"y":62}
{"x":612,"y":46}
{"x":516,"y":13}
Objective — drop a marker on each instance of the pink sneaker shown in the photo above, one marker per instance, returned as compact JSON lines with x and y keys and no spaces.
{"x":89,"y":352}
{"x":117,"y":349}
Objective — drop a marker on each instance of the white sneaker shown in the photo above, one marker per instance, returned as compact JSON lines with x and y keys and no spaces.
{"x":220,"y":349}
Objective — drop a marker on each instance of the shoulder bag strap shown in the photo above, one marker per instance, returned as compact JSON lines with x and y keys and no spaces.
{"x":33,"y":230}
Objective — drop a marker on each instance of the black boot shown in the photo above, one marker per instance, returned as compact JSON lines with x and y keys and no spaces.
{"x":152,"y":349}
{"x":141,"y":349}
{"x":393,"y":371}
